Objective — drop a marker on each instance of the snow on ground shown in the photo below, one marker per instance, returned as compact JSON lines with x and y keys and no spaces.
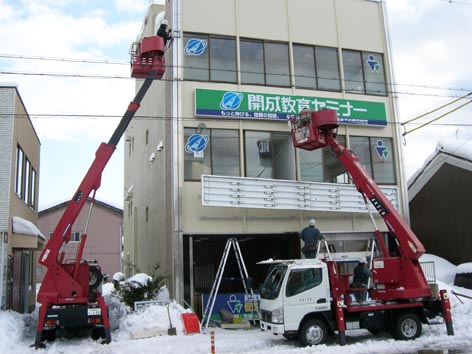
{"x":17,"y":332}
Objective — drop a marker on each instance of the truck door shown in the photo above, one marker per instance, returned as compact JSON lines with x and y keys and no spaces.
{"x":306,"y":291}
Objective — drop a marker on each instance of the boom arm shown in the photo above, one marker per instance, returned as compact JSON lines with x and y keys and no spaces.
{"x":91,"y":181}
{"x":395,"y":278}
{"x":409,"y":244}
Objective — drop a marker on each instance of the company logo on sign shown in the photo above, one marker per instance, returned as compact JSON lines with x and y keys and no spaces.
{"x":382,"y":150}
{"x":231,"y":100}
{"x":374,"y":65}
{"x":196,"y":143}
{"x":195,"y":46}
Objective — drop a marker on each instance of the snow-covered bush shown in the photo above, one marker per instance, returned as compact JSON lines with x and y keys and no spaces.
{"x":140,"y":287}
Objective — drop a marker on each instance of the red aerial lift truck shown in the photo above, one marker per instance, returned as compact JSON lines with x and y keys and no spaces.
{"x":70,"y":294}
{"x":309,"y":299}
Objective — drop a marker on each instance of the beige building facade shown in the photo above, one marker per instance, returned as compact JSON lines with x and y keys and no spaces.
{"x":19,"y":182}
{"x":210,"y":157}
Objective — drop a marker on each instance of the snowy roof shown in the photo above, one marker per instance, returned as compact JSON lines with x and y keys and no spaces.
{"x":26,"y":227}
{"x":59,"y":204}
{"x":451,"y":151}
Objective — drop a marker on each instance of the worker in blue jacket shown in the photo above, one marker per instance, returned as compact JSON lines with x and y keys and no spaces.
{"x":311,"y":236}
{"x":361,"y":280}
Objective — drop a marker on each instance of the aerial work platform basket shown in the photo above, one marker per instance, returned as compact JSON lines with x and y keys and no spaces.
{"x":308,"y":128}
{"x":148,"y":55}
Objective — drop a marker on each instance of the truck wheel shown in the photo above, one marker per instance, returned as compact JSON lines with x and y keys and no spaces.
{"x":313,"y":332}
{"x":407,"y":326}
{"x":95,"y":277}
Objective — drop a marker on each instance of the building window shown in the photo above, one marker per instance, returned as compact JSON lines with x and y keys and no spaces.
{"x":213,"y":152}
{"x":276,"y":64}
{"x":376,"y":155}
{"x":75,"y":236}
{"x":25,"y":181}
{"x":321,"y":165}
{"x":327,"y":68}
{"x":269,"y":155}
{"x":32,"y":200}
{"x":264,"y":63}
{"x":147,"y":214}
{"x":252,"y":62}
{"x":374,"y":74}
{"x":27,"y":185}
{"x":19,"y":172}
{"x":223,"y":59}
{"x":316,"y":67}
{"x":364,"y":73}
{"x":209,"y":58}
{"x":352,"y":66}
{"x":146,"y":139}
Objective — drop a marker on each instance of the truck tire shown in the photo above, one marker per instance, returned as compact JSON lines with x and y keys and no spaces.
{"x":313,"y":332}
{"x":407,"y":326}
{"x":95,"y":277}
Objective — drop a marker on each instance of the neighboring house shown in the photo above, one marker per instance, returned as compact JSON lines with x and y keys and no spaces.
{"x":19,"y":176}
{"x":104,"y":234}
{"x":212,"y":157}
{"x":440,"y":193}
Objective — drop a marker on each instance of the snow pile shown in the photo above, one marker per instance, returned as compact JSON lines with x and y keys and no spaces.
{"x":445,"y":270}
{"x":154,"y":316}
{"x":11,"y":330}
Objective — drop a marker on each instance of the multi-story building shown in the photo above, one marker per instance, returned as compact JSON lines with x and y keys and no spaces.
{"x":104,"y":242}
{"x":19,"y":182}
{"x":210,"y":154}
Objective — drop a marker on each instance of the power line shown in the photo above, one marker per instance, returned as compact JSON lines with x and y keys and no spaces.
{"x":185,"y":118}
{"x":169,"y":80}
{"x":105,"y":62}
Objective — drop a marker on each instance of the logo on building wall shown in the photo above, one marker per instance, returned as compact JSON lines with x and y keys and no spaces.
{"x":195,"y":46}
{"x":382,"y":150}
{"x":196,"y":143}
{"x":374,"y":65}
{"x":231,"y":100}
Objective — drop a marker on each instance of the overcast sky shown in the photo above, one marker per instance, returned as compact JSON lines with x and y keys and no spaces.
{"x":431,"y":56}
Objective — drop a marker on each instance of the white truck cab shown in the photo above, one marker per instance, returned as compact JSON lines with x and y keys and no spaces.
{"x":291,"y":290}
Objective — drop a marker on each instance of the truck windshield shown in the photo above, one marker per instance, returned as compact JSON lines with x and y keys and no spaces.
{"x":270,"y":289}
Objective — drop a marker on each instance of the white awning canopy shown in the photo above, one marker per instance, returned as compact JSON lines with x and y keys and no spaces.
{"x":26,"y":227}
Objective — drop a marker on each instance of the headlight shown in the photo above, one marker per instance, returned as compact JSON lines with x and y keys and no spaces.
{"x":278,"y":316}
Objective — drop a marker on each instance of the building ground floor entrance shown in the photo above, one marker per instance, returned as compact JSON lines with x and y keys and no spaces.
{"x":203,"y":254}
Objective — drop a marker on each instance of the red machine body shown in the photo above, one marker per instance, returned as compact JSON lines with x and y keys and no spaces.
{"x":70,"y":293}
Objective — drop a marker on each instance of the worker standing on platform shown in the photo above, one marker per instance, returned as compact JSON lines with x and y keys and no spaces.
{"x":311,"y":236}
{"x":361,"y":279}
{"x":164,"y":32}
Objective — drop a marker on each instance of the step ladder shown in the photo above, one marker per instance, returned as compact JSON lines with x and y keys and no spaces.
{"x":231,"y":243}
{"x":326,"y":253}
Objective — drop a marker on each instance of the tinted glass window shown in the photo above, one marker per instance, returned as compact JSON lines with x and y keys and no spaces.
{"x":327,"y":67}
{"x":304,"y":66}
{"x":276,"y":64}
{"x":374,"y":74}
{"x":223,"y":59}
{"x":196,"y":58}
{"x":300,"y":280}
{"x":353,"y":78}
{"x":252,"y":62}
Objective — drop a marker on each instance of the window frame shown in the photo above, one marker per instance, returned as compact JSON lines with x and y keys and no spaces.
{"x":364,"y":90}
{"x":188,"y":131}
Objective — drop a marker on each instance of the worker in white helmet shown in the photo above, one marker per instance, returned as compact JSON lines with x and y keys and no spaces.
{"x":310,"y":236}
{"x":164,"y":32}
{"x":361,"y":279}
